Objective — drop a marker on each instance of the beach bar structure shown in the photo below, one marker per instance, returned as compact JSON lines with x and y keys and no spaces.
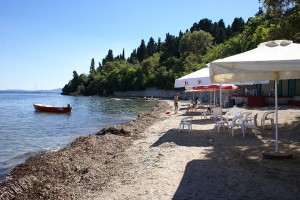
{"x":264,"y":94}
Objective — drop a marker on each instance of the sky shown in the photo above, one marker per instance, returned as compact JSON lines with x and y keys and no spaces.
{"x":43,"y":41}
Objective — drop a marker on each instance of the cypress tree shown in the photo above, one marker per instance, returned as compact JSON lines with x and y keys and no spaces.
{"x":92,"y":67}
{"x":151,"y":47}
{"x":158,"y":45}
{"x":142,"y":51}
{"x":123,"y":55}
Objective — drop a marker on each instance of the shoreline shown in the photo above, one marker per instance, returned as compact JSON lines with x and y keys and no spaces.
{"x":38,"y":175}
{"x":148,"y":158}
{"x":39,"y":132}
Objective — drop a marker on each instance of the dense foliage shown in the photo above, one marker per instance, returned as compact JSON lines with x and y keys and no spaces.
{"x":158,"y":64}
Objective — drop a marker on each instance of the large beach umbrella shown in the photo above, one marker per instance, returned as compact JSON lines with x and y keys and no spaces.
{"x":215,"y":87}
{"x":212,"y":87}
{"x":273,"y":60}
{"x":202,"y":77}
{"x":199,"y":77}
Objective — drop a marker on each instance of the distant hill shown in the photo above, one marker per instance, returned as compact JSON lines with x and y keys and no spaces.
{"x":58,"y":90}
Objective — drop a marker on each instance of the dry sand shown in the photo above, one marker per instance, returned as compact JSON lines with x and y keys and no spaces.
{"x":150,"y":159}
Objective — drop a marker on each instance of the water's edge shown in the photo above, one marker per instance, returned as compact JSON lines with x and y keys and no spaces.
{"x":20,"y":159}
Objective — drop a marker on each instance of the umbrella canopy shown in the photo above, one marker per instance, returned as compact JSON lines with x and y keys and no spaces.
{"x":212,"y":87}
{"x":199,"y":77}
{"x":269,"y":61}
{"x":215,"y":87}
{"x":202,"y":77}
{"x":274,"y":60}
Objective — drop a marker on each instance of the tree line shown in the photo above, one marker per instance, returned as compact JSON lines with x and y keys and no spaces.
{"x":159,"y":63}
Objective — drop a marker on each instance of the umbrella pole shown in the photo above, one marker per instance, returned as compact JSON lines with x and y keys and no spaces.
{"x":200,"y":94}
{"x":221,"y":95}
{"x":214,"y":98}
{"x":276,"y":114}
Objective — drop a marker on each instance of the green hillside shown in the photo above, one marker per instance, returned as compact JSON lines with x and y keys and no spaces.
{"x":157,"y":63}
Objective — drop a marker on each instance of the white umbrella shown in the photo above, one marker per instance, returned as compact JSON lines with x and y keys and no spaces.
{"x":199,"y":77}
{"x":274,"y":60}
{"x":202,"y":77}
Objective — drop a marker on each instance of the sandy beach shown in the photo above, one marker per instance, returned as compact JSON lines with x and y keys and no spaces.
{"x":148,"y":158}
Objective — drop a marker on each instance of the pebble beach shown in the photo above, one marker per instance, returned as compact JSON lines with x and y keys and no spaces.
{"x":148,"y":158}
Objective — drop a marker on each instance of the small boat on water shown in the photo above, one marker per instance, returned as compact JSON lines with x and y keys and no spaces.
{"x":54,"y":109}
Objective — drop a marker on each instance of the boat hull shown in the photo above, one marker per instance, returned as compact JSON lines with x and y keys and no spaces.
{"x":53,"y":109}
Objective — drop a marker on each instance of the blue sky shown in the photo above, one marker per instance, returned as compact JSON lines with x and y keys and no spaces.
{"x":43,"y":41}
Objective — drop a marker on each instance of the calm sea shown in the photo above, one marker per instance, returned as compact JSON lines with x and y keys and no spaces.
{"x":25,"y":132}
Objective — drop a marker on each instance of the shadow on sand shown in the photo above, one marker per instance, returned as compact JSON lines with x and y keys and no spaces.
{"x":234,"y":169}
{"x":215,"y":179}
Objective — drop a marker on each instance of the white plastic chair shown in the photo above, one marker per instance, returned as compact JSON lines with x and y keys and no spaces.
{"x":220,"y":122}
{"x":246,"y":114}
{"x":205,"y":113}
{"x":250,"y":122}
{"x":235,"y":111}
{"x":269,"y":115}
{"x":237,"y":121}
{"x":215,"y":112}
{"x":232,"y":112}
{"x":186,"y":121}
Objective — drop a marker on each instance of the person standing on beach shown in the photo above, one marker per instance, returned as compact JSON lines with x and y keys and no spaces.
{"x":176,"y":103}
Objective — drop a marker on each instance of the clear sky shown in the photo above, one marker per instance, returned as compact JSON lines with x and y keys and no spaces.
{"x":43,"y":41}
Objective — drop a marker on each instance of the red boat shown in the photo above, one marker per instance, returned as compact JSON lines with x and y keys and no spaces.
{"x":54,"y":109}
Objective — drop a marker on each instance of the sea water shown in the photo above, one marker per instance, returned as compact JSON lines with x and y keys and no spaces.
{"x":25,"y":132}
